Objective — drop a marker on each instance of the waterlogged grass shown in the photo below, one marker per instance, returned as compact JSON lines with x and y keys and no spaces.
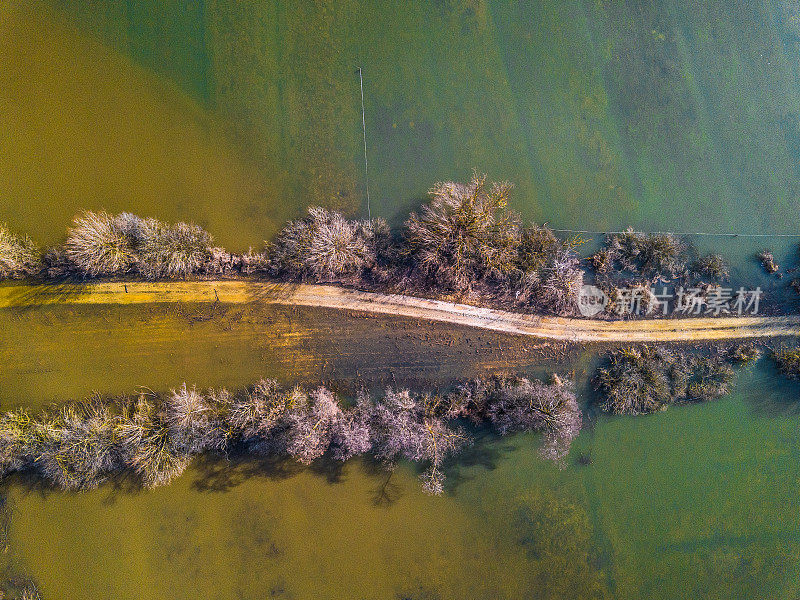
{"x":301,"y":535}
{"x":702,"y":501}
{"x":698,"y":501}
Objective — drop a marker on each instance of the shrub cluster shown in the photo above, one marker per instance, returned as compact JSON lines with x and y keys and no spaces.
{"x":464,"y":241}
{"x":465,"y":234}
{"x":101,"y":244}
{"x":466,"y":238}
{"x":324,"y":246}
{"x":711,"y":267}
{"x":79,"y":445}
{"x":788,"y":360}
{"x":640,"y":257}
{"x":645,"y":379}
{"x":19,"y":256}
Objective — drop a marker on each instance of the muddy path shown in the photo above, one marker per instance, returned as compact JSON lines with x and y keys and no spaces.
{"x":332,"y":297}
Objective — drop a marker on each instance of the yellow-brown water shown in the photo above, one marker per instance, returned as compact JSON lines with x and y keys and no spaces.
{"x":710,"y":490}
{"x":83,"y":127}
{"x":662,"y":115}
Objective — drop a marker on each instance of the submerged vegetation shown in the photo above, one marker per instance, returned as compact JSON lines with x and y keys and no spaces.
{"x":652,"y":256}
{"x":788,"y":360}
{"x":80,"y":445}
{"x":644,"y":379}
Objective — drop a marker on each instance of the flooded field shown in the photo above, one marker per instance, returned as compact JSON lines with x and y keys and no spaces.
{"x":237,"y":115}
{"x":662,"y":115}
{"x":710,"y":490}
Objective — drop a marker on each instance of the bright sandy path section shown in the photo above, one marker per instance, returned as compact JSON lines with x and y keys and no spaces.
{"x":326,"y":296}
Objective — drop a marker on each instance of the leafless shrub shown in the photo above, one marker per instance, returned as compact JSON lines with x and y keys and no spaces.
{"x":326,"y":246}
{"x":560,"y":283}
{"x":81,"y":444}
{"x":146,"y":444}
{"x":513,"y":404}
{"x":743,"y":354}
{"x":19,"y":256}
{"x":645,"y":379}
{"x":17,"y":442}
{"x":538,"y":244}
{"x":465,"y":234}
{"x":175,"y":250}
{"x":406,"y":427}
{"x":310,"y":422}
{"x":639,"y":379}
{"x":767,"y":260}
{"x":99,"y":244}
{"x":195,"y":421}
{"x":711,"y":267}
{"x":255,"y":414}
{"x":651,"y":255}
{"x":76,"y":446}
{"x":788,"y":360}
{"x":30,"y":593}
{"x":351,"y":434}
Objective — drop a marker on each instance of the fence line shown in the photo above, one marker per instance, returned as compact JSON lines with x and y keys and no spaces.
{"x":587,"y":231}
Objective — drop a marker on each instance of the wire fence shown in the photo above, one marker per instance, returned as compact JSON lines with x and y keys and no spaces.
{"x":687,"y":233}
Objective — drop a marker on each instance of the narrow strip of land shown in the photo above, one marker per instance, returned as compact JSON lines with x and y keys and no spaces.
{"x":327,"y":296}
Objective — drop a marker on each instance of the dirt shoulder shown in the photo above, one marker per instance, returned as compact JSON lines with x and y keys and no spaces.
{"x":325,"y":296}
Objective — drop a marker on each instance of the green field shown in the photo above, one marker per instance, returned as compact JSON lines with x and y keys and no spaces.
{"x":668,"y":114}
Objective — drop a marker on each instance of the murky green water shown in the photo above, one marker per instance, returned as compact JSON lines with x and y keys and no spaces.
{"x":699,"y":501}
{"x":657,"y":114}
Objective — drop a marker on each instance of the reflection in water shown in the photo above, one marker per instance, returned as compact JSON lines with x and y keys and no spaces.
{"x":707,"y":490}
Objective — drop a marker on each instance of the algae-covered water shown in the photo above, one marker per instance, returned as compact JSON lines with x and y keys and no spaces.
{"x":678,"y":115}
{"x":657,"y":114}
{"x":699,"y":501}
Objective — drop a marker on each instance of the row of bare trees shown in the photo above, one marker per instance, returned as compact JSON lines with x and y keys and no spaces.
{"x":79,"y":445}
{"x":464,"y":241}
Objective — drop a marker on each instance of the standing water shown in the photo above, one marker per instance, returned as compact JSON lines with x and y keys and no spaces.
{"x":663,"y":115}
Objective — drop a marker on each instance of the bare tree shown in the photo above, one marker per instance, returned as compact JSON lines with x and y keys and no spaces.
{"x":19,"y":256}
{"x":326,"y":246}
{"x":465,"y":234}
{"x":406,"y":427}
{"x":310,"y":422}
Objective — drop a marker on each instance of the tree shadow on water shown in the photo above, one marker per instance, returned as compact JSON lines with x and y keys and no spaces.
{"x":329,"y":468}
{"x":772,"y":394}
{"x":386,"y":492}
{"x":486,"y":450}
{"x":220,"y":474}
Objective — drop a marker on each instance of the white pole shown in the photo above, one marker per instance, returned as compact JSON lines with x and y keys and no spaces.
{"x":364,"y":130}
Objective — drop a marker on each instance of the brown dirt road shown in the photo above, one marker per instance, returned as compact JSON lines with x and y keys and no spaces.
{"x":326,"y":296}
